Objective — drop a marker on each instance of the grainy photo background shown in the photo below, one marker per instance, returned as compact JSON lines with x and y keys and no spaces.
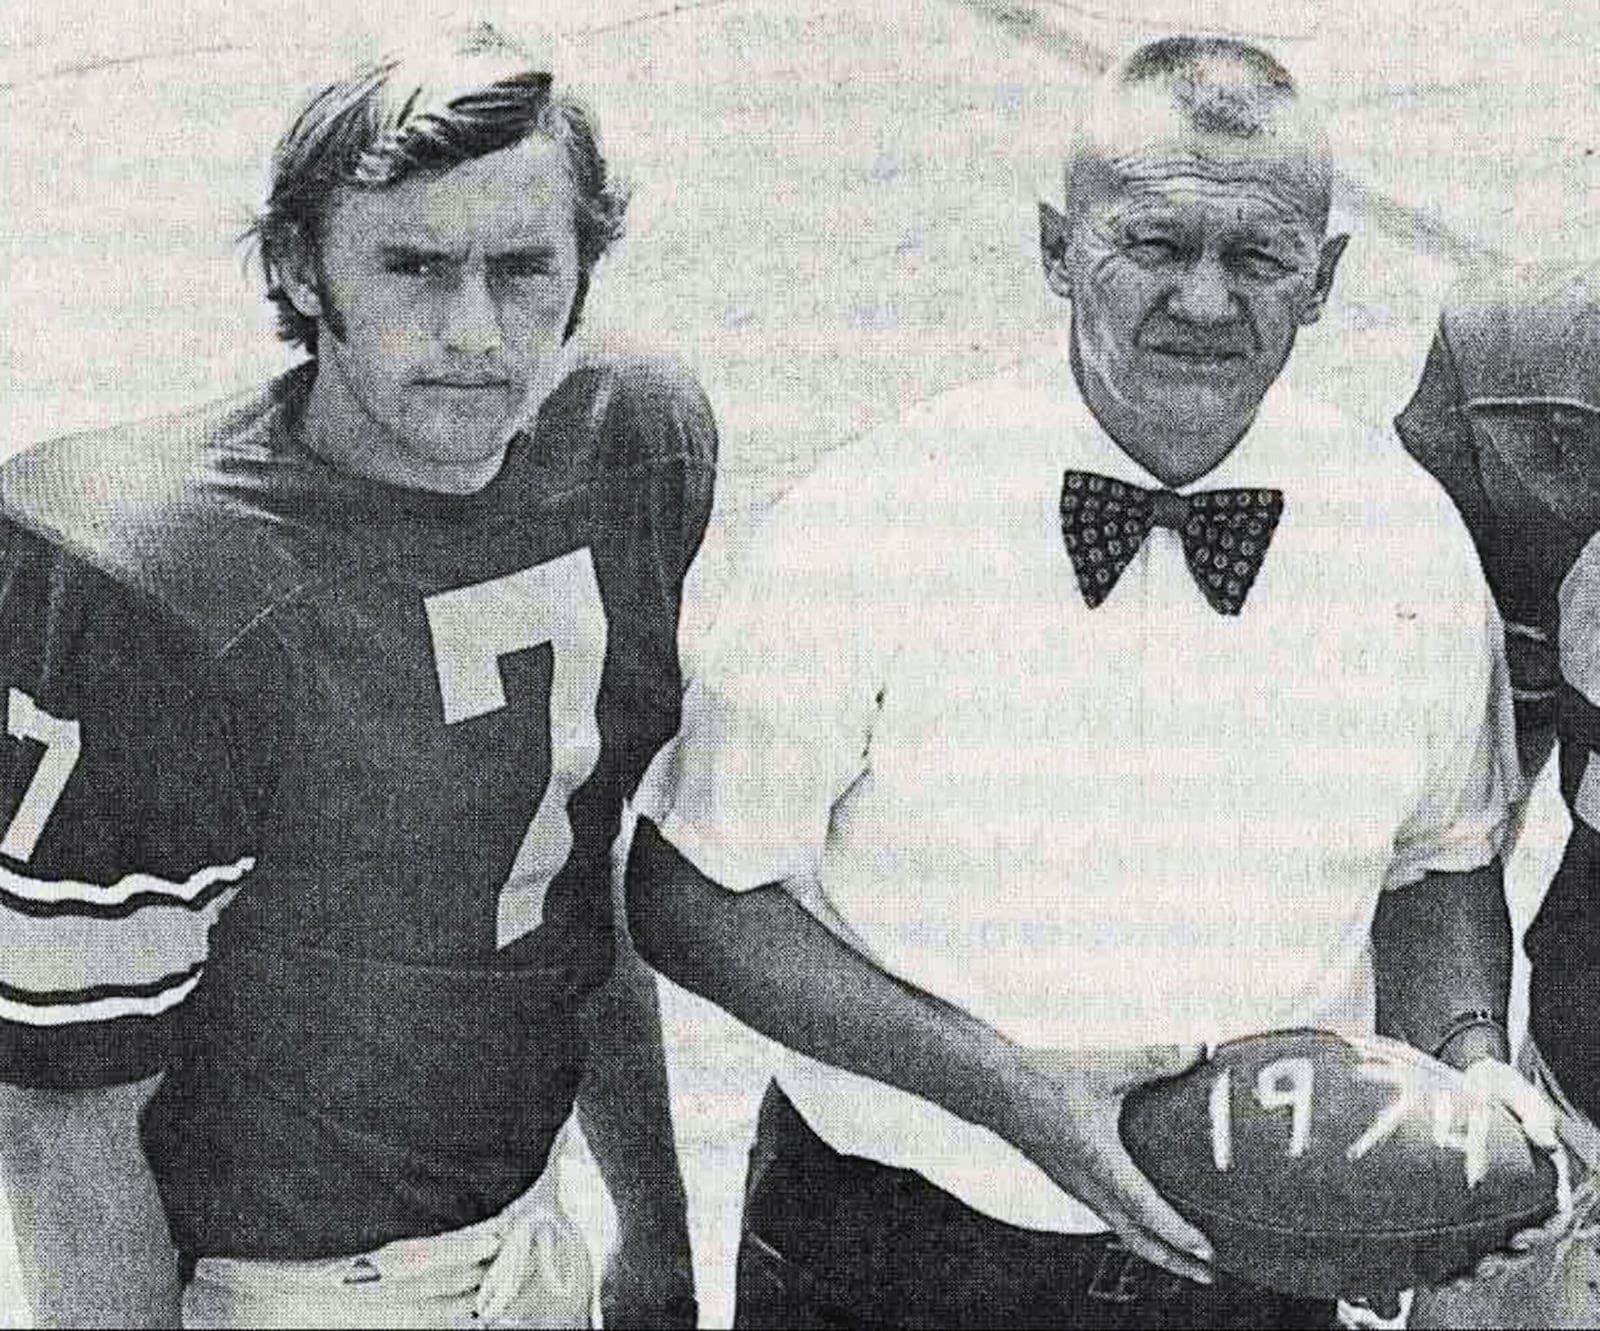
{"x":834,"y":217}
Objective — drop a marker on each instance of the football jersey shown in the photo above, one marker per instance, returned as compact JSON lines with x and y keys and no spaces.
{"x":1511,"y":348}
{"x":1563,"y":943}
{"x":309,"y":787}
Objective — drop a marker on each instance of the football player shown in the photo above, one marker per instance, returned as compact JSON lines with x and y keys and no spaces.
{"x":1507,"y":416}
{"x":320,"y":709}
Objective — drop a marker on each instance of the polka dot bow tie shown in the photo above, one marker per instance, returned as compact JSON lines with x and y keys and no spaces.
{"x":1225,"y":533}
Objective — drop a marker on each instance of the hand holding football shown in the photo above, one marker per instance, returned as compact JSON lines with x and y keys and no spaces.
{"x":1325,"y":1166}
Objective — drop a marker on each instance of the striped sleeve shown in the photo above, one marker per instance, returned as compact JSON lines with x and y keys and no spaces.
{"x":121,"y":834}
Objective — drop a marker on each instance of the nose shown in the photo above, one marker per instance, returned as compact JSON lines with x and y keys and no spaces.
{"x":1203,"y":296}
{"x":471,"y":319}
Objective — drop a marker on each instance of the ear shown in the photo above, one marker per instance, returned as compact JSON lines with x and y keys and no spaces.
{"x":299,"y":274}
{"x":1055,"y":240}
{"x":1327,"y":266}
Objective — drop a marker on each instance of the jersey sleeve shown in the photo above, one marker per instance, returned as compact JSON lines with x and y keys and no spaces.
{"x":1436,"y":428}
{"x":654,"y":425}
{"x":119,"y":834}
{"x":670,"y":418}
{"x":778,"y":717}
{"x":658,"y":431}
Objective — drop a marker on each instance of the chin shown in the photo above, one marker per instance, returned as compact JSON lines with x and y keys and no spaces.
{"x":477,"y":452}
{"x":1198,"y":403}
{"x":453,"y":441}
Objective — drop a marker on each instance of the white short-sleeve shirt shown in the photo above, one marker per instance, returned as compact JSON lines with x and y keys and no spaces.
{"x":1141,"y":823}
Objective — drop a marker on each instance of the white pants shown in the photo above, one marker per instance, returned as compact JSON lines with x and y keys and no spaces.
{"x":526,"y":1267}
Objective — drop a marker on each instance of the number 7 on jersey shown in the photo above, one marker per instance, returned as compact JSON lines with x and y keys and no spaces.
{"x":473,"y":627}
{"x":62,"y":742}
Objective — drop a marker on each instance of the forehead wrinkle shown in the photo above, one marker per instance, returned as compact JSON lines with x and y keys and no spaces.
{"x":1127,"y":133}
{"x":1241,"y":193}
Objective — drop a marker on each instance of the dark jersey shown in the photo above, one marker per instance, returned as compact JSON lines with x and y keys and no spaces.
{"x":309,"y":788}
{"x":1563,"y":943}
{"x":1515,"y":354}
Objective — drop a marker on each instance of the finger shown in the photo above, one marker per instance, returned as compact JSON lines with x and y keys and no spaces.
{"x":1499,"y":1265}
{"x":1563,"y":1182}
{"x":1579,"y":1143}
{"x":1525,"y":1239}
{"x":1532,"y":1108}
{"x":1148,"y":1246}
{"x":1126,"y":1191}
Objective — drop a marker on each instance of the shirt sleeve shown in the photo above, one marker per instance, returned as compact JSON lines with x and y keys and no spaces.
{"x":1471,"y":774}
{"x":777,"y":720}
{"x":118,"y":832}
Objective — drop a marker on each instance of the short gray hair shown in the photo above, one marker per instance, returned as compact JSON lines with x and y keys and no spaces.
{"x":1222,"y":85}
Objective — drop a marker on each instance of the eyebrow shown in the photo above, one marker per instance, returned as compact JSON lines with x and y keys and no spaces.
{"x":427,"y":250}
{"x":1155,"y":215}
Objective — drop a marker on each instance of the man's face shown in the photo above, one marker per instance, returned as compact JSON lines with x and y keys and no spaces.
{"x":450,"y":294}
{"x":1191,"y":262}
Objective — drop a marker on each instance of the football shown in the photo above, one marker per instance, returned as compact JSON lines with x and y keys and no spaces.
{"x":1326,"y":1166}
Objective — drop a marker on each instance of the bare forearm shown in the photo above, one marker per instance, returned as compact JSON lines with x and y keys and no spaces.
{"x":624,"y":1105}
{"x":1442,"y":948}
{"x":90,"y":1229}
{"x":626,"y":1112}
{"x":763,"y":958}
{"x":767,"y":961}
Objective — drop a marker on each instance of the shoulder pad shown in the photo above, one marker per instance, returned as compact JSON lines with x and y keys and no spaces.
{"x":620,"y":406}
{"x":1530,"y":333}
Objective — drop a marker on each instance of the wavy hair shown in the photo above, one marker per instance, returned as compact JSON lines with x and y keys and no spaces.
{"x":405,"y":115}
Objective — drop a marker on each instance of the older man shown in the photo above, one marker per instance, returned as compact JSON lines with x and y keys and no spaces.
{"x":321,"y":705}
{"x":1115,"y":705}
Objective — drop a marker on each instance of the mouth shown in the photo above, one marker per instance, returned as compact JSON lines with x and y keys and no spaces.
{"x":464,"y":385}
{"x":1199,"y":355}
{"x":1213,"y":365}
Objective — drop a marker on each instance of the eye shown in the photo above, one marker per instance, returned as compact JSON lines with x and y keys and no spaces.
{"x":520,"y":267}
{"x":1254,"y":261}
{"x":404,"y":264}
{"x":1153,"y":249}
